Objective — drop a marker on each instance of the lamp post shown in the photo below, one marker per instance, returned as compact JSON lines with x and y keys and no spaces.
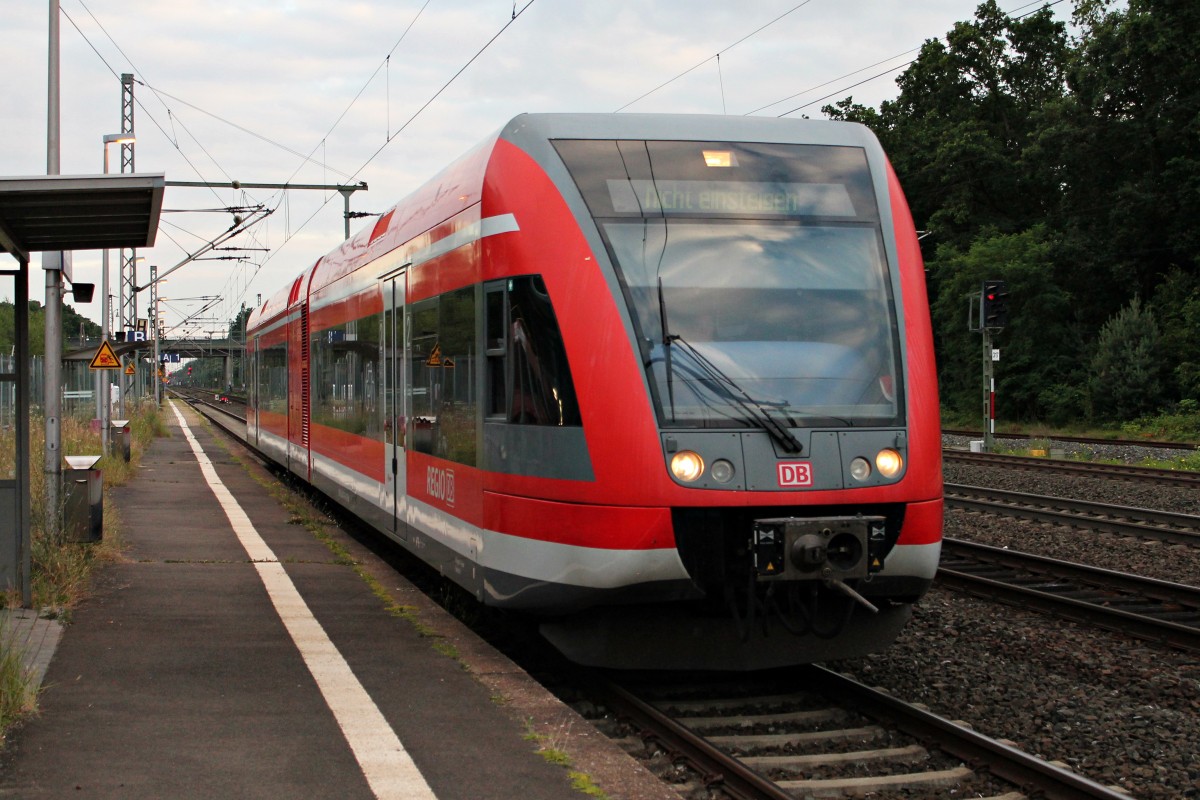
{"x":154,"y":304}
{"x":103,"y":384}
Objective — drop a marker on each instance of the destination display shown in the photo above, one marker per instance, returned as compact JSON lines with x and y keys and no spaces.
{"x":734,"y":198}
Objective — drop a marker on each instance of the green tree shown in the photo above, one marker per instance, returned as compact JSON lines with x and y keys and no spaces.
{"x":1178,"y":301}
{"x":237,"y":325}
{"x":1089,"y":144}
{"x":1038,"y":375}
{"x":1131,"y":150}
{"x":966,"y":112}
{"x":1125,"y":378}
{"x":72,"y":324}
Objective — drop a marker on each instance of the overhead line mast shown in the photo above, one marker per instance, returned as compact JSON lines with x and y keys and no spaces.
{"x":346,"y":189}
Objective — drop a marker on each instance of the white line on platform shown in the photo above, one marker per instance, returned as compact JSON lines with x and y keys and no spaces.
{"x":388,"y":768}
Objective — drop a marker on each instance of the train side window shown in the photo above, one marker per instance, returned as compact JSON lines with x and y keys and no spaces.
{"x":496,"y":347}
{"x":423,"y":341}
{"x":529,"y":380}
{"x":345,"y":369}
{"x":444,"y":360}
{"x":273,"y":380}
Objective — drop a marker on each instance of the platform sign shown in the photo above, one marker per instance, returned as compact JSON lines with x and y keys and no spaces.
{"x":105,"y":358}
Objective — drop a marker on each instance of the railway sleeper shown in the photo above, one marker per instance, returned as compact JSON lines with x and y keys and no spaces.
{"x":910,"y":754}
{"x":811,"y":718}
{"x":837,"y":787}
{"x":749,"y":741}
{"x":726,"y":704}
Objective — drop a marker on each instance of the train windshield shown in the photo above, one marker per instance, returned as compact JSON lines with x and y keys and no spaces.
{"x":755,"y":277}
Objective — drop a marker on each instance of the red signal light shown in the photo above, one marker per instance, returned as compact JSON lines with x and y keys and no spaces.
{"x":993,"y":310}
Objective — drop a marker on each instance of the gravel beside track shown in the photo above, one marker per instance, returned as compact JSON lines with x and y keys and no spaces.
{"x":1117,"y":710}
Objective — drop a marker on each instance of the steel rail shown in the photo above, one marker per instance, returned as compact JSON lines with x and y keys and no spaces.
{"x":1091,"y":469}
{"x":1004,"y":761}
{"x":1148,"y":443}
{"x":194,"y":400}
{"x":1052,"y":598}
{"x":983,"y":753}
{"x":1030,"y":773}
{"x":1144,"y":523}
{"x":714,"y":765}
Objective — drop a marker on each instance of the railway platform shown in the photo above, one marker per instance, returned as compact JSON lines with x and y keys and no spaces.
{"x":231,"y":652}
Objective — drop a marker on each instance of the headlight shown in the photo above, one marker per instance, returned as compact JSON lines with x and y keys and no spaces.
{"x":860,"y":469}
{"x":687,"y":466}
{"x":722,"y":471}
{"x":889,"y":463}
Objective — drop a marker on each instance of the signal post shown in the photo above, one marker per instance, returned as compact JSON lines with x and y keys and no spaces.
{"x":993,"y":317}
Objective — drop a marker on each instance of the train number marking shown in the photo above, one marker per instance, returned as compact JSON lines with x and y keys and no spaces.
{"x":439,"y":483}
{"x":794,"y":473}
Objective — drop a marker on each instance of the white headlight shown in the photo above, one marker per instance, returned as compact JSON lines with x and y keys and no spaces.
{"x":889,"y":463}
{"x":722,"y":471}
{"x":860,"y":469}
{"x":687,"y":466}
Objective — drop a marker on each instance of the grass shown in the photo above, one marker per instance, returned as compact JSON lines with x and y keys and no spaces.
{"x":547,"y":749}
{"x":60,"y":571}
{"x":17,"y":696}
{"x":1181,"y":424}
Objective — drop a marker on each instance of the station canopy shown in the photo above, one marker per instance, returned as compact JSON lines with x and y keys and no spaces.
{"x":79,"y":212}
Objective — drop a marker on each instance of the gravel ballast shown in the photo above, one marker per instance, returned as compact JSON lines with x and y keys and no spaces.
{"x":1120,"y":711}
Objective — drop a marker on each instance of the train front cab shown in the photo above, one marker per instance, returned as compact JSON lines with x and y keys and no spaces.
{"x":774,"y":296}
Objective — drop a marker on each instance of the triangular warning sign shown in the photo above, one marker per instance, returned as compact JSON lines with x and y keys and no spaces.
{"x":129,"y":369}
{"x":105,"y":358}
{"x":435,"y":358}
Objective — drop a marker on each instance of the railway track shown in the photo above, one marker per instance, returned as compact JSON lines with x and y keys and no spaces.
{"x":1087,"y":468}
{"x":1146,"y":608}
{"x":1149,"y":609}
{"x":864,"y":743}
{"x":206,"y":398}
{"x":1148,"y":443}
{"x":1143,"y":523}
{"x":834,"y":737}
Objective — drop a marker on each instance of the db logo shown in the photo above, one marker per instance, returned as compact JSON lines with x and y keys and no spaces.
{"x":439,"y":483}
{"x":795,"y":473}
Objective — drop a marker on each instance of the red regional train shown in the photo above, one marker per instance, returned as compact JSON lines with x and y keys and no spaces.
{"x":665,"y":381}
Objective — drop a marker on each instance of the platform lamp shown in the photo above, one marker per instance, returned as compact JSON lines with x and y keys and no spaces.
{"x":103,"y":384}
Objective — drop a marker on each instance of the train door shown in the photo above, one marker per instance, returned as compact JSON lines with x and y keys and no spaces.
{"x":251,"y":390}
{"x":395,"y":397}
{"x":299,"y":459}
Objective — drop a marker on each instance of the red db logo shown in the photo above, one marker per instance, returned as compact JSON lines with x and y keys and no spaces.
{"x":795,"y":473}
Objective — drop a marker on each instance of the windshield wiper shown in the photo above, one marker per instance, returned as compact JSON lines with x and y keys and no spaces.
{"x":756,"y":410}
{"x":662,"y":313}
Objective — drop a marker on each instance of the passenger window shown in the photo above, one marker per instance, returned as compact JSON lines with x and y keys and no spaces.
{"x":529,"y":380}
{"x":444,"y":359}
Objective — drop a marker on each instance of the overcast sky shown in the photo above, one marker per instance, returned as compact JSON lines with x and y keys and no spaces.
{"x":247,"y":90}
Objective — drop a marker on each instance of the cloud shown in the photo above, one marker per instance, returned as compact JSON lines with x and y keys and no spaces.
{"x":287,"y":70}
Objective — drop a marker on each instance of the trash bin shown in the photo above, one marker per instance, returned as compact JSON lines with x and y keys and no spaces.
{"x":84,"y":506}
{"x":119,"y":438}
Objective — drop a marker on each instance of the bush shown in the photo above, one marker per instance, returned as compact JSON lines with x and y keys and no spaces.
{"x":1126,"y":368}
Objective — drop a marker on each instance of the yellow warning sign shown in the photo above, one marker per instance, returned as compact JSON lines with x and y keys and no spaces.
{"x":435,"y":358}
{"x":105,"y":358}
{"x":129,"y":369}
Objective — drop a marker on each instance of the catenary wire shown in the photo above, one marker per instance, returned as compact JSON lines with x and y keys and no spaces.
{"x":755,"y":32}
{"x":409,"y":121}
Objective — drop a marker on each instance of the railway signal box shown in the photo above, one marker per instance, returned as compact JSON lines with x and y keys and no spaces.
{"x":993,"y":312}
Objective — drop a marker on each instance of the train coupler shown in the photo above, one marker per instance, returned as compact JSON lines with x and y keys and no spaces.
{"x":817,"y":549}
